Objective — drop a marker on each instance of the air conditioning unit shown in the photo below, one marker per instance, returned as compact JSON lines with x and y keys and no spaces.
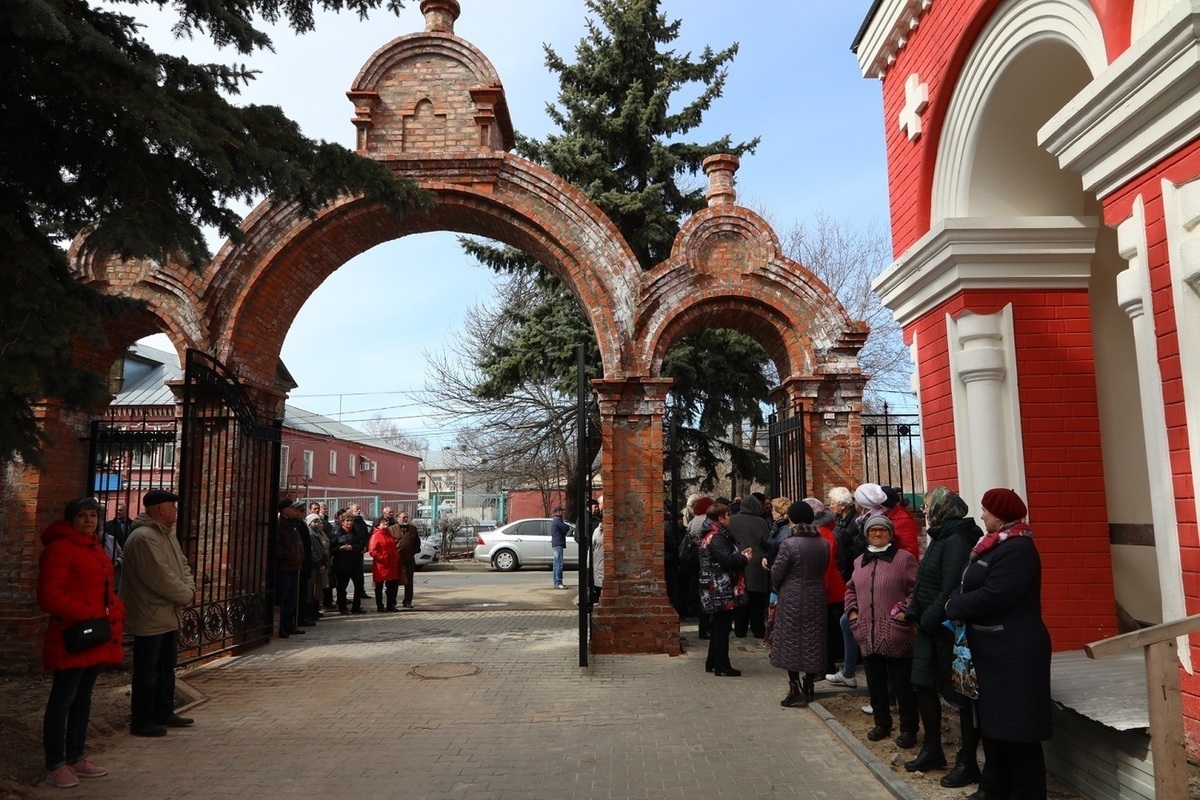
{"x":365,"y":464}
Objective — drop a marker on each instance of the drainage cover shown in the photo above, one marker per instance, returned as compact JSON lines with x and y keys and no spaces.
{"x":485,"y":605}
{"x":445,"y":669}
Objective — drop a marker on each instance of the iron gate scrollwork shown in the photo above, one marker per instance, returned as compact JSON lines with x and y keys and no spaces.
{"x":228,"y":477}
{"x":892,"y":452}
{"x":789,"y":473}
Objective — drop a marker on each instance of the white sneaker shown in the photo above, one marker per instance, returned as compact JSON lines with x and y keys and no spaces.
{"x":839,"y":679}
{"x":867,"y":709}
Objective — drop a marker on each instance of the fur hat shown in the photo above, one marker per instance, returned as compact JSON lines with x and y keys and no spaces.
{"x":1004,"y":504}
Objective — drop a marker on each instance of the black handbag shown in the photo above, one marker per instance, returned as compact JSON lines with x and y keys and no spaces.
{"x":89,"y":633}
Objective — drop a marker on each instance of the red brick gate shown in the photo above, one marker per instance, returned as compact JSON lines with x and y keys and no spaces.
{"x":431,"y":106}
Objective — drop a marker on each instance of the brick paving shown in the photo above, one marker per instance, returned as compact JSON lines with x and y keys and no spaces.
{"x":481,"y":705}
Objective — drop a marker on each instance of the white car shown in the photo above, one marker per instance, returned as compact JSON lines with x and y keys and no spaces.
{"x":428,"y":554}
{"x":522,"y":543}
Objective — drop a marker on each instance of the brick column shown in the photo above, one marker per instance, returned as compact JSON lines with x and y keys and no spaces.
{"x":633,"y":615}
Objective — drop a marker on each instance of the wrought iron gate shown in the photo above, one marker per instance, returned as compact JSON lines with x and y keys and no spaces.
{"x":892,"y":452}
{"x":789,"y":473}
{"x":132,"y":453}
{"x":228,"y":476}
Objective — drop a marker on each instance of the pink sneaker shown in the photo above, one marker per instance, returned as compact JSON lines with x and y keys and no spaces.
{"x":63,"y":777}
{"x":86,"y":768}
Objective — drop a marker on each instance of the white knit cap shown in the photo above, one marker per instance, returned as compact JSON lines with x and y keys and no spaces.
{"x":870,"y":495}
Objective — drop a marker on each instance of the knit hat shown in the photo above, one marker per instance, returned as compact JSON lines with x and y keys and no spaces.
{"x":702,"y":505}
{"x":877,"y":521}
{"x":870,"y":495}
{"x":1004,"y":504}
{"x":800,"y":513}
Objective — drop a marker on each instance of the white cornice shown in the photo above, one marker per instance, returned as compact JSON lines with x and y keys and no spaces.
{"x":889,"y":31}
{"x":1142,"y":108}
{"x":987,"y":253}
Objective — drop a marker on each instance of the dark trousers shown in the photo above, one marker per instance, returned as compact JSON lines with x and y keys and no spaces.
{"x":718,"y":640}
{"x":833,"y":636}
{"x":409,"y":570}
{"x":393,"y":588}
{"x":347,"y":575}
{"x":1015,"y":770}
{"x":306,"y":607}
{"x":152,"y":688}
{"x":287,"y":588}
{"x":64,"y":727}
{"x":752,"y":616}
{"x":879,"y":671}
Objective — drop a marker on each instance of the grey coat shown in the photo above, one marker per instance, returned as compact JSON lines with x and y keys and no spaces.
{"x":798,"y":638}
{"x":751,"y":530}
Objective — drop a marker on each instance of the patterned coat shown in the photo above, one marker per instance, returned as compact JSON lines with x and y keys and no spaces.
{"x":879,"y":582}
{"x":798,"y":640}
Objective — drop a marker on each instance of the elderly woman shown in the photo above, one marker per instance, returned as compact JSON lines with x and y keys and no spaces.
{"x":722,"y":586}
{"x":875,"y":594}
{"x":952,"y":534}
{"x":75,"y":584}
{"x":1000,"y":600}
{"x":798,"y":639}
{"x":387,"y":571}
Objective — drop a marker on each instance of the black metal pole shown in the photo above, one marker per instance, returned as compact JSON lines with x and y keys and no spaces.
{"x":582,"y":468}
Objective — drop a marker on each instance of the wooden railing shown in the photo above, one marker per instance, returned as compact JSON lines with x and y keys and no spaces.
{"x":1159,"y":643}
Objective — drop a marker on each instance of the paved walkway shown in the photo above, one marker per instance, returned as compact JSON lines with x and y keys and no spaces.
{"x":480,"y":705}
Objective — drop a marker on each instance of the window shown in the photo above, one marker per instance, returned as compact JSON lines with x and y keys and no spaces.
{"x":353,"y":466}
{"x":308,"y":463}
{"x":284,"y":458}
{"x":374,"y":472}
{"x":333,"y":462}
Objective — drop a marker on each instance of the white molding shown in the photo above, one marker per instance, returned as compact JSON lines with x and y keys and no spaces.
{"x":1138,"y":111}
{"x":1133,"y":294}
{"x":988,"y":253}
{"x":1182,"y":206}
{"x":1014,"y":26}
{"x":890,"y":29}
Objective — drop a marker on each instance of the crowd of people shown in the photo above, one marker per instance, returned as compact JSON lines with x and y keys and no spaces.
{"x":829,"y":585}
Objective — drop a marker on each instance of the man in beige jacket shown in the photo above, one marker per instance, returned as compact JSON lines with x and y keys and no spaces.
{"x":156,"y":585}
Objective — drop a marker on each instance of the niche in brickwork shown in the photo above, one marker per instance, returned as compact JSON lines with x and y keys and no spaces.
{"x":424,"y":128}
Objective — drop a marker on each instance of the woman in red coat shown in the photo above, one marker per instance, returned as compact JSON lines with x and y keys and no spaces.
{"x":75,"y":583}
{"x":386,"y":568}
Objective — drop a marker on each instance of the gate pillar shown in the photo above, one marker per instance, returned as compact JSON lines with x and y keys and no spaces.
{"x":633,"y":615}
{"x":832,"y":409}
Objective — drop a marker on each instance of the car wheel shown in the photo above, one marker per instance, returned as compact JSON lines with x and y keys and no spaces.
{"x":505,"y":561}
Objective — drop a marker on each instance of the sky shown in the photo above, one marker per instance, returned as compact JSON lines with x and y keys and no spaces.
{"x":794,"y":83}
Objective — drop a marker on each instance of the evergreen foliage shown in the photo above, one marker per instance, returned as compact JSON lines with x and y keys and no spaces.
{"x":143,"y":150}
{"x":621,"y":141}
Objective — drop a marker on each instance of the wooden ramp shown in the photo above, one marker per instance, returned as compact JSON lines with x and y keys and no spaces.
{"x":1101,"y":715}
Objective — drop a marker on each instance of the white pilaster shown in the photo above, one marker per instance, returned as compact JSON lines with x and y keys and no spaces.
{"x":987,"y":427}
{"x":1133,"y":296}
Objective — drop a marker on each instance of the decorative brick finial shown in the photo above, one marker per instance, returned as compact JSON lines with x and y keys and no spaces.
{"x":440,"y":15}
{"x":720,"y":169}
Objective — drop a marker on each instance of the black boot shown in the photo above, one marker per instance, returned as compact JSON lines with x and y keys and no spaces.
{"x":810,"y":692}
{"x":965,"y":772}
{"x":795,"y":697}
{"x":930,"y":757}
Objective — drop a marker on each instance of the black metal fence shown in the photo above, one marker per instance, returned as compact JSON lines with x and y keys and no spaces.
{"x":132,"y":452}
{"x":228,"y":476}
{"x":892,"y":452}
{"x":789,"y":473}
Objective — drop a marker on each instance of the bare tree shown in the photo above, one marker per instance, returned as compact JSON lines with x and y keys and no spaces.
{"x":848,"y":259}
{"x":388,"y":431}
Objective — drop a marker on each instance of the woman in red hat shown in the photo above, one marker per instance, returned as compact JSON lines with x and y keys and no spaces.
{"x":1001,"y":601}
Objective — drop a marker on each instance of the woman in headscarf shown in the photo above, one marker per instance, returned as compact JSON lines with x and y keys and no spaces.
{"x":951,"y":534}
{"x":722,"y":587}
{"x":1000,"y":600}
{"x":881,"y":584}
{"x":798,"y":640}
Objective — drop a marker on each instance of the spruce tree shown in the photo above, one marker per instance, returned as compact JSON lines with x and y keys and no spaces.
{"x":100,"y":132}
{"x":622,"y":141}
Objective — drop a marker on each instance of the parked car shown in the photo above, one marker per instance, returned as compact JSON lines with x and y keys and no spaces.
{"x":468,"y":535}
{"x":428,"y":554}
{"x":522,"y":543}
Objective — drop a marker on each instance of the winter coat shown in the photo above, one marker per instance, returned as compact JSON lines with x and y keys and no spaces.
{"x":75,"y":583}
{"x":289,"y":550}
{"x":798,"y":641}
{"x":720,"y":564}
{"x":559,"y":529}
{"x":156,"y":582}
{"x":385,"y":557}
{"x":906,"y":529}
{"x":1001,"y":601}
{"x":938,"y":574}
{"x":851,"y":543}
{"x":344,"y":560}
{"x":835,"y":586}
{"x":408,"y":541}
{"x":880,"y":582}
{"x":749,"y":529}
{"x":780,"y":530}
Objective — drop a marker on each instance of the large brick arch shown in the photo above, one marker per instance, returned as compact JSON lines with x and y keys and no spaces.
{"x":257,"y":287}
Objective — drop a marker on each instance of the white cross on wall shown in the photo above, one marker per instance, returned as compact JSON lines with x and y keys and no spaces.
{"x":916,"y":98}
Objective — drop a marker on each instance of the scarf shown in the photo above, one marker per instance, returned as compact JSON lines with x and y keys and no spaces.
{"x":989,"y":540}
{"x":886,"y":554}
{"x":804,"y":529}
{"x":943,"y":505}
